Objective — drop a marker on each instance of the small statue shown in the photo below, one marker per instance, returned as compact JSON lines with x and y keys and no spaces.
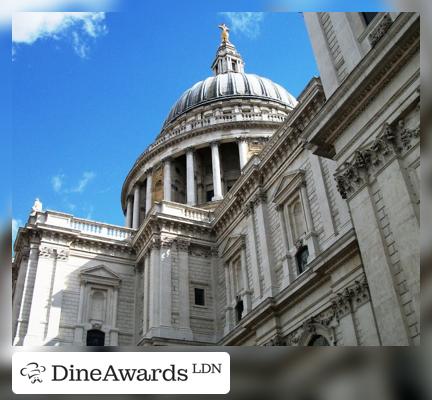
{"x":37,"y":206}
{"x":224,"y":33}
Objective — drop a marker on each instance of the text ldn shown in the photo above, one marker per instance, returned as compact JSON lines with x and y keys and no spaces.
{"x":62,"y":373}
{"x":204,"y":368}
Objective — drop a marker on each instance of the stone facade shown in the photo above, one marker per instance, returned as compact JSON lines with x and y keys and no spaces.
{"x":254,"y":219}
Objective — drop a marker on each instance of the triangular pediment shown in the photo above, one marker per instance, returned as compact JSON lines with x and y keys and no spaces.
{"x":287,"y":183}
{"x":233,"y":244}
{"x":100,"y":271}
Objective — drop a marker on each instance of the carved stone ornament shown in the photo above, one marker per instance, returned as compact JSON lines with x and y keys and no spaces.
{"x":380,"y":30}
{"x":393,"y":140}
{"x":46,"y":252}
{"x":62,"y":255}
{"x":248,"y":209}
{"x":351,"y":298}
{"x":182,"y":244}
{"x":322,"y":324}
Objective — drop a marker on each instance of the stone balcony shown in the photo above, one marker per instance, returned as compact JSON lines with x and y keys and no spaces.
{"x":55,"y":219}
{"x":182,"y":210}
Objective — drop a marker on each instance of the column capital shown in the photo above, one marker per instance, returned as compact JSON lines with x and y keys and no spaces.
{"x":166,"y":160}
{"x":182,"y":244}
{"x":148,"y":171}
{"x":190,"y":149}
{"x":215,"y":143}
{"x":248,"y":208}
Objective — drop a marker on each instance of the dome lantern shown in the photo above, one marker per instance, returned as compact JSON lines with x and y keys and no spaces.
{"x":227,"y":59}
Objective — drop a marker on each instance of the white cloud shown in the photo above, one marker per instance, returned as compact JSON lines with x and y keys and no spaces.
{"x":84,"y":181}
{"x":58,"y":185}
{"x":16,"y":223}
{"x":57,"y":182}
{"x":28,"y":27}
{"x":247,"y":23}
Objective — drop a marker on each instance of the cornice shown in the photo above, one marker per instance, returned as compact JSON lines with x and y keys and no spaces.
{"x":364,"y":83}
{"x":393,"y":141}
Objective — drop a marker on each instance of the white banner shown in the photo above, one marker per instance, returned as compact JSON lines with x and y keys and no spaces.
{"x":120,"y":372}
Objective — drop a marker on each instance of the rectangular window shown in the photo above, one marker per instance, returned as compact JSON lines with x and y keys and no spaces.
{"x":199,"y":297}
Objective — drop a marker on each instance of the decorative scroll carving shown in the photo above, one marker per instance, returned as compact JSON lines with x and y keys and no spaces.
{"x":46,"y":252}
{"x":248,"y":209}
{"x":182,"y":244}
{"x":392,"y":141}
{"x":62,"y":255}
{"x":166,"y":243}
{"x":351,"y":298}
{"x":322,"y":324}
{"x":380,"y":30}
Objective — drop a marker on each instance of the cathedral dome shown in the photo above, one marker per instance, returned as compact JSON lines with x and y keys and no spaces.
{"x":229,"y":85}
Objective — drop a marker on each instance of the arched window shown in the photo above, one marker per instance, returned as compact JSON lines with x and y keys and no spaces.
{"x":318,"y":340}
{"x":95,"y":337}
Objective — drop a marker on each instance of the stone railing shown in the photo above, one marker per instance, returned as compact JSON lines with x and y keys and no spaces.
{"x":216,"y":119}
{"x":97,"y":228}
{"x":183,"y":210}
{"x":85,"y":226}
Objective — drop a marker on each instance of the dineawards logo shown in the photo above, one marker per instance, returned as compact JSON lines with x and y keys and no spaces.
{"x":55,"y":372}
{"x":33,"y":371}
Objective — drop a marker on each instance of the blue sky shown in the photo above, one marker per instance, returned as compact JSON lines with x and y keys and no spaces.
{"x":89,"y":97}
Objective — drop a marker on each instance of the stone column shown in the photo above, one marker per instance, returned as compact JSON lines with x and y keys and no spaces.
{"x":129,"y":212}
{"x":321,"y":191}
{"x":190,"y":177}
{"x":26,"y":301}
{"x":247,"y":294}
{"x":136,"y":207}
{"x":40,"y":301}
{"x":165,"y":283}
{"x":146,"y":288}
{"x":251,"y":238}
{"x":217,"y":183}
{"x":228,"y":307}
{"x":404,"y":225}
{"x":149,"y":191}
{"x":243,"y":152}
{"x":184,"y":299}
{"x":154,"y":285}
{"x":270,"y":288}
{"x":56,"y":297}
{"x":377,"y":266}
{"x":167,"y":179}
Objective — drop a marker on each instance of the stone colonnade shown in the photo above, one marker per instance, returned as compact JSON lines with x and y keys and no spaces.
{"x":132,"y":219}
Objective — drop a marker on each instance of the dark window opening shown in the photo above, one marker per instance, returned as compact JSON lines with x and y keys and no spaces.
{"x":95,"y":337}
{"x":302,"y":257}
{"x":209,"y":195}
{"x":199,"y":297}
{"x":369,"y":16}
{"x":318,"y":340}
{"x":239,"y":308}
{"x":233,"y":66}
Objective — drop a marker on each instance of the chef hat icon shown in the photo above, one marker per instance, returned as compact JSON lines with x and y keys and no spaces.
{"x":32,"y":371}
